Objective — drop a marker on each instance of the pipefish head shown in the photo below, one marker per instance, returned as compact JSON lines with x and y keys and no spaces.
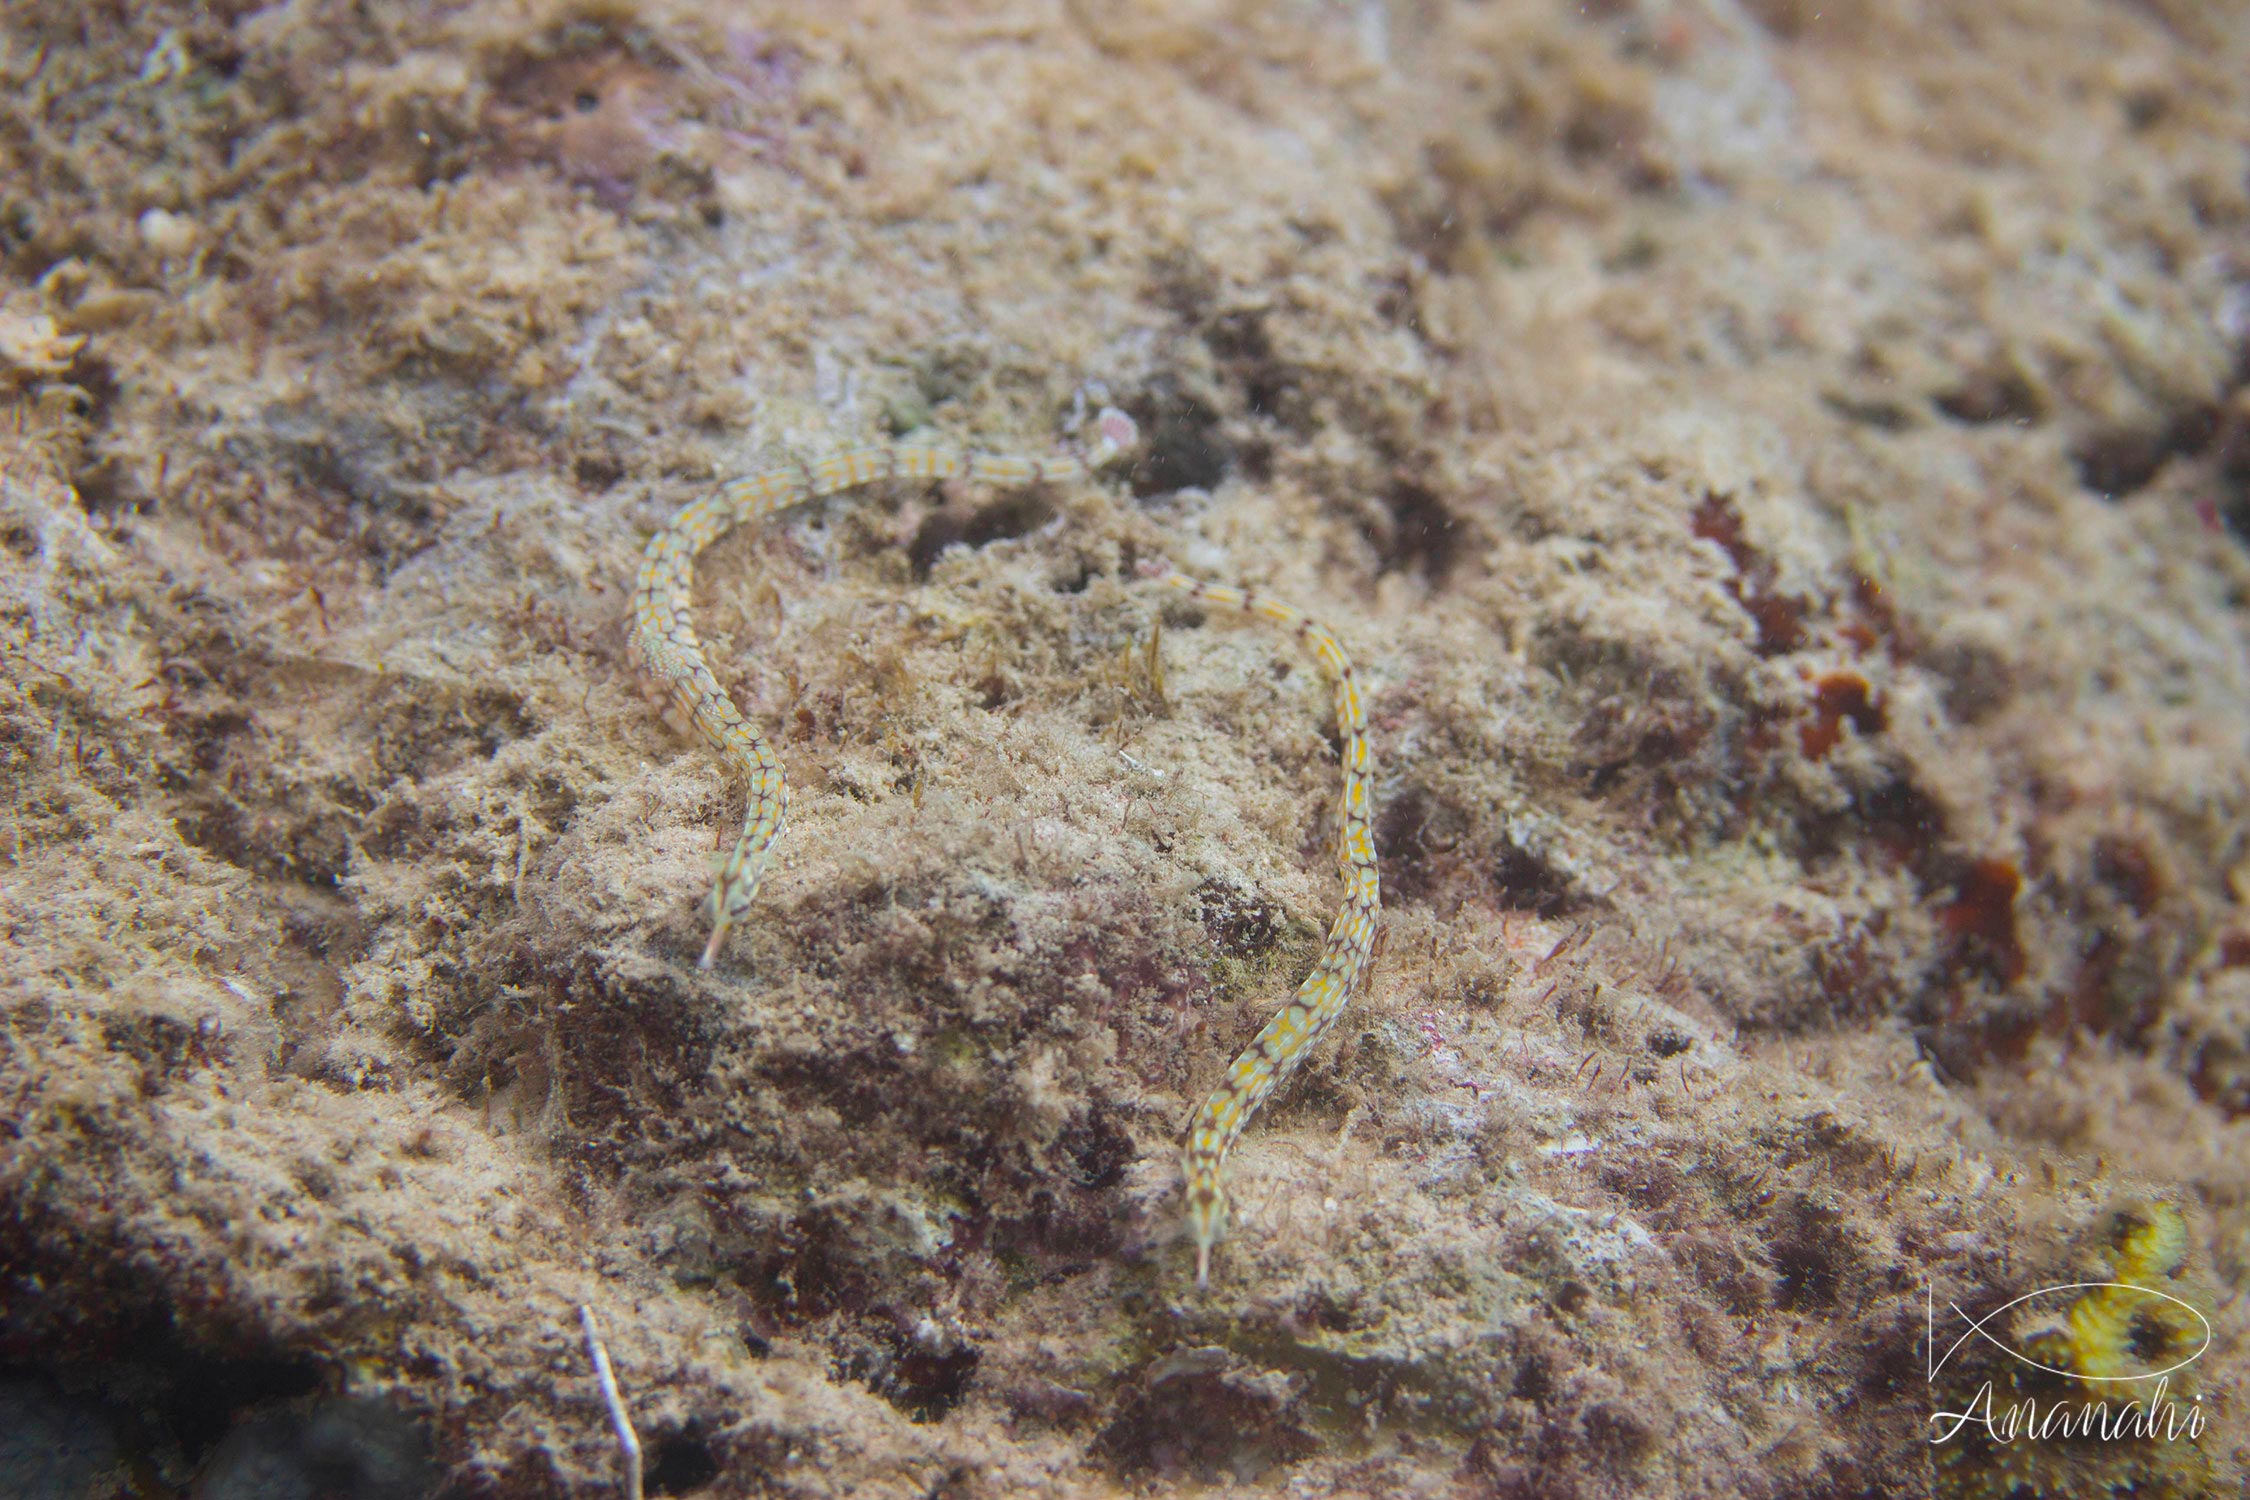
{"x":1207,"y":1225}
{"x":1116,"y":435}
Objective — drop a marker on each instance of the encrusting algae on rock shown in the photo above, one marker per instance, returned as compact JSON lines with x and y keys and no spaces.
{"x":2128,"y":1327}
{"x":1783,"y":471}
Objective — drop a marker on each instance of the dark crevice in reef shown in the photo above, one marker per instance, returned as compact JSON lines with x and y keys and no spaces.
{"x":98,"y":1368}
{"x":1001,"y":520}
{"x":1182,"y":445}
{"x":680,"y":1463}
{"x":1423,"y":536}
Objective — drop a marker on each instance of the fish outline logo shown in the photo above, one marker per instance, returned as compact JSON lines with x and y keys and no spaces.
{"x":1978,"y":1328}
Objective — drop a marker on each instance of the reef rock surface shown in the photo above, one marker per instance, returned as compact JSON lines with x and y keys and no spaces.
{"x":1783,"y":470}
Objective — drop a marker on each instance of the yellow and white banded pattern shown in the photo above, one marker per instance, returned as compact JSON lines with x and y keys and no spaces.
{"x":666,"y":646}
{"x":1265,"y":1065}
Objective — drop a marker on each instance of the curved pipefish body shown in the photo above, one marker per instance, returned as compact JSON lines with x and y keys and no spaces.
{"x":665,"y":644}
{"x":1265,"y":1065}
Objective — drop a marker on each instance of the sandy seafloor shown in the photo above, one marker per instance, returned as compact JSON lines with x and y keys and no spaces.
{"x":1783,"y":467}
